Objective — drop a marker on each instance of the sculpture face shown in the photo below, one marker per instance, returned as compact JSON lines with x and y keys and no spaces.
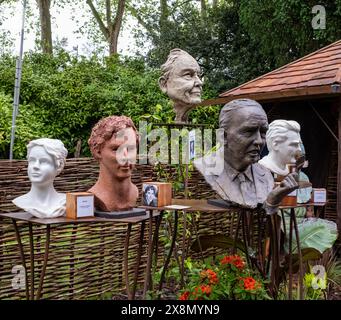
{"x":41,"y":167}
{"x":287,"y":149}
{"x":245,"y":137}
{"x":150,"y":195}
{"x":183,"y":83}
{"x":118,"y":154}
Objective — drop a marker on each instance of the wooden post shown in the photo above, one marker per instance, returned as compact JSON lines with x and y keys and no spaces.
{"x":338,"y":194}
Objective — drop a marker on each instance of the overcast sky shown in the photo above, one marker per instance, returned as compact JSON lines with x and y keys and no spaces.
{"x":63,"y":27}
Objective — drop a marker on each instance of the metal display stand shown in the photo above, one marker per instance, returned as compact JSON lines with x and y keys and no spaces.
{"x":30,"y":285}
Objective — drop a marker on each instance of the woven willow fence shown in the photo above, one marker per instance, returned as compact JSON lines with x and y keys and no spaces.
{"x":85,"y":260}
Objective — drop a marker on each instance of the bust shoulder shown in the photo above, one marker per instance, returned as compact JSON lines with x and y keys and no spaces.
{"x":270,"y":165}
{"x":54,"y":208}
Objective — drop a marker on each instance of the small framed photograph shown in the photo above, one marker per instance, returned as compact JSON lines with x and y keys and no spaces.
{"x":150,"y":195}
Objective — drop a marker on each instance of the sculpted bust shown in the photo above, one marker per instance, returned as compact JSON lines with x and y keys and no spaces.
{"x":113,"y":142}
{"x":180,"y":80}
{"x":46,"y":159}
{"x":241,"y":180}
{"x":283,"y":141}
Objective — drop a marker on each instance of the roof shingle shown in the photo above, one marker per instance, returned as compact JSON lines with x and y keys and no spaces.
{"x":311,"y":75}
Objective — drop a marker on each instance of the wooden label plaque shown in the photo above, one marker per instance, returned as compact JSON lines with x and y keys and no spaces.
{"x":79,"y":205}
{"x":156,"y":194}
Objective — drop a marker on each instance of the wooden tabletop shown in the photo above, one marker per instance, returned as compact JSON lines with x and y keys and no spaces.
{"x":201,"y":205}
{"x":193,"y":204}
{"x":25,"y":216}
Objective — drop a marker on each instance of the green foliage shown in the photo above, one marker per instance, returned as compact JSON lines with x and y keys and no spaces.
{"x":235,"y":41}
{"x":315,"y":285}
{"x":28,"y":127}
{"x":284,"y":31}
{"x":63,"y":97}
{"x":315,"y":233}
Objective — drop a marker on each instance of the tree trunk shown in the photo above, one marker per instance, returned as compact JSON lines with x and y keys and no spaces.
{"x":45,"y":25}
{"x":112,"y":30}
{"x":203,"y":10}
{"x":116,"y":27}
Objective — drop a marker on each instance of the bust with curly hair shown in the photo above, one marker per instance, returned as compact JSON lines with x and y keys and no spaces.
{"x":113,"y":142}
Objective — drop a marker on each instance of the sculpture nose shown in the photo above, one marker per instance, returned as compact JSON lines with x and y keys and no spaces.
{"x":197,"y":81}
{"x":258,"y":140}
{"x":36,"y":164}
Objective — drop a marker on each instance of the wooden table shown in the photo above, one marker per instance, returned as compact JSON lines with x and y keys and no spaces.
{"x":31,"y":221}
{"x":243,"y":222}
{"x":193,"y":205}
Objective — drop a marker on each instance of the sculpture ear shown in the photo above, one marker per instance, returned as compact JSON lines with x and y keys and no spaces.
{"x":275,"y":145}
{"x":97,"y":154}
{"x":163,"y":84}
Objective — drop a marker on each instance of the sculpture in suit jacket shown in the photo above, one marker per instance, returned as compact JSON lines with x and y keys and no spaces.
{"x":233,"y":171}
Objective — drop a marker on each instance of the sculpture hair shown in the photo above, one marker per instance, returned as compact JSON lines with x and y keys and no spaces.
{"x":174,"y":54}
{"x":278,"y":130}
{"x":105,"y":129}
{"x":235,"y":105}
{"x":54,"y":148}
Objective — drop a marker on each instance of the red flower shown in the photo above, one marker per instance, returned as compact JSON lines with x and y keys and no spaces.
{"x":202,"y":289}
{"x":226,"y":260}
{"x":236,"y":260}
{"x":210,"y":275}
{"x":250,"y":283}
{"x":184,"y":296}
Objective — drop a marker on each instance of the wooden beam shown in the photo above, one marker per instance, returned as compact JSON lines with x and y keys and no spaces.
{"x":338,"y":194}
{"x":283,"y":95}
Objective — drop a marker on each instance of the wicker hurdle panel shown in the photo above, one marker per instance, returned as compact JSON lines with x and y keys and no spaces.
{"x":86,"y":261}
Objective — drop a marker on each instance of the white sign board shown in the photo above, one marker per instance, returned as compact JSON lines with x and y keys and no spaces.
{"x":85,"y":206}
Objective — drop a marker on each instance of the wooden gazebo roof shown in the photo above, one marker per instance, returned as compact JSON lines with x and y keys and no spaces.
{"x":317,"y":74}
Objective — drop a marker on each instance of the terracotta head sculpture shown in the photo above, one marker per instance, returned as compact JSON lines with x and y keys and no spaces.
{"x":113,"y":142}
{"x":180,"y":80}
{"x":46,"y":159}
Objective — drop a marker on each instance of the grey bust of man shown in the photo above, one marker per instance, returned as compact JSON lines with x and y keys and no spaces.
{"x":180,"y":80}
{"x":241,"y":180}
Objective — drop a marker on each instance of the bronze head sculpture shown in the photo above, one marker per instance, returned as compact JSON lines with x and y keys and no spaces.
{"x":242,"y":180}
{"x":113,"y":142}
{"x":180,"y":80}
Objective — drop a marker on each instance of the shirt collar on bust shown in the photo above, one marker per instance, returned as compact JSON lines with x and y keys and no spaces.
{"x":233,"y":173}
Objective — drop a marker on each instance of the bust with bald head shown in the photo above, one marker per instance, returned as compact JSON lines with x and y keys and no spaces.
{"x":241,"y":179}
{"x":180,"y":80}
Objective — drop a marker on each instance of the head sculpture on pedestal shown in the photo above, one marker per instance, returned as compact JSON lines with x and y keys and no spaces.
{"x":242,"y":180}
{"x":113,"y":142}
{"x":46,"y":159}
{"x":284,"y":144}
{"x":180,"y":80}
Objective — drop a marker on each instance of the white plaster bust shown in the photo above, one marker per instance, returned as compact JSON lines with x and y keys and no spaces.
{"x":283,"y":141}
{"x":46,"y":159}
{"x":180,"y":80}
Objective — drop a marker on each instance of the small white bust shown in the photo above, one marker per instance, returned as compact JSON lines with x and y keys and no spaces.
{"x":46,"y":159}
{"x":283,"y":141}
